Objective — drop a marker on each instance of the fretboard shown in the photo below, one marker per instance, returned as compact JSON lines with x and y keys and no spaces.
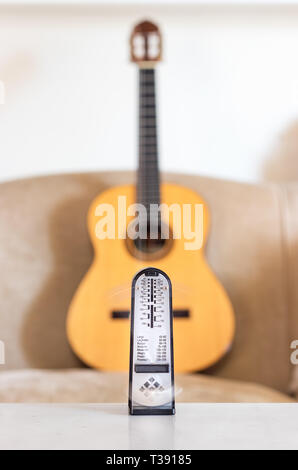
{"x":148,"y":190}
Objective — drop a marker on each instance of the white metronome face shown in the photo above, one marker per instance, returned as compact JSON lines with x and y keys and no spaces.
{"x":151,"y":347}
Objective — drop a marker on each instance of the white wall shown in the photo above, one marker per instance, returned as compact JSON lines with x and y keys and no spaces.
{"x":228,"y":88}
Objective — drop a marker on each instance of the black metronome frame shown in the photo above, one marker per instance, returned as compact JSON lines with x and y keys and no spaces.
{"x":151,"y":410}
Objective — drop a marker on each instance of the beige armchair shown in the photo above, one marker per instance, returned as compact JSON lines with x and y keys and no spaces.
{"x":45,"y":251}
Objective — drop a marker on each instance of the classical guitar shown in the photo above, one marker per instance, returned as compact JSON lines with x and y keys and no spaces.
{"x":98,"y":318}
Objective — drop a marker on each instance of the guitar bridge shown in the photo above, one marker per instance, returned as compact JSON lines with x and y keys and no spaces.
{"x":124,"y":314}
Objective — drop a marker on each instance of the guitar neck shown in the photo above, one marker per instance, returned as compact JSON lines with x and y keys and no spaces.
{"x":148,"y":181}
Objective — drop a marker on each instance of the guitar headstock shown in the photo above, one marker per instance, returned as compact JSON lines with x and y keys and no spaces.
{"x":145,"y":44}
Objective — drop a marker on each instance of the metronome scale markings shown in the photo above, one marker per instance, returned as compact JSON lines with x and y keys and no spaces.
{"x":152,"y":302}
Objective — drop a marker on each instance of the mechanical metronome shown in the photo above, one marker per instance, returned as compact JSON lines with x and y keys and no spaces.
{"x":151,"y":374}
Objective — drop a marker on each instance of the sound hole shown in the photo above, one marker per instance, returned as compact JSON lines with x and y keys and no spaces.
{"x":152,"y":247}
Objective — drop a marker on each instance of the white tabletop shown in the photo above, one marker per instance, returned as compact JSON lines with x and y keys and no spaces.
{"x":108,"y":426}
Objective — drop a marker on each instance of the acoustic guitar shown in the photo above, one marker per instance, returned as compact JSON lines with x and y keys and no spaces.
{"x":98,"y":318}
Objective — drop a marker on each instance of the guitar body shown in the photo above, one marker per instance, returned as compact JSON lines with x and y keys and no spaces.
{"x":102,"y":341}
